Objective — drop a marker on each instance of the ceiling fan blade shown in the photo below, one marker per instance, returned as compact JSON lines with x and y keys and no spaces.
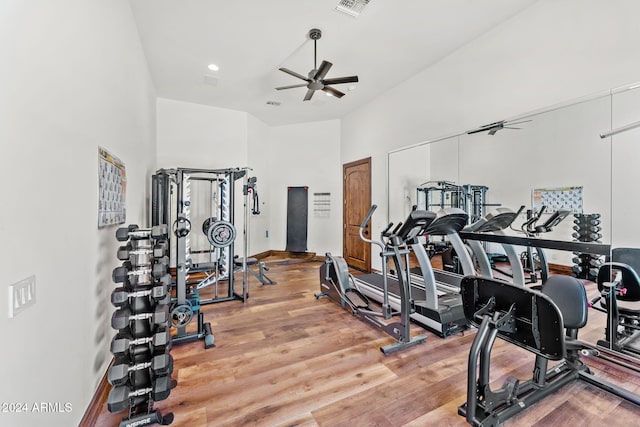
{"x":491,"y":126}
{"x":340,"y":80}
{"x":309,"y":94}
{"x":323,"y":70}
{"x":294,"y":74}
{"x":494,"y":130}
{"x":291,"y":87}
{"x":333,"y":91}
{"x":517,"y":123}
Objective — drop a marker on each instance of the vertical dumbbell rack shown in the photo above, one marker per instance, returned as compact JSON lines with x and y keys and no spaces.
{"x":586,"y":229}
{"x":141,"y":371}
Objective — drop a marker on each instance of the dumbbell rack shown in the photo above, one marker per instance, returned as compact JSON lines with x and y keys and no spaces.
{"x":141,"y":371}
{"x":586,"y":229}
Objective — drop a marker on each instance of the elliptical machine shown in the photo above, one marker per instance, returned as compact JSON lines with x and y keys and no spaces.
{"x":338,"y":284}
{"x":537,"y":263}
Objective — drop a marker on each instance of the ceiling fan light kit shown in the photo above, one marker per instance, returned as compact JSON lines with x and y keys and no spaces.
{"x":315,"y":79}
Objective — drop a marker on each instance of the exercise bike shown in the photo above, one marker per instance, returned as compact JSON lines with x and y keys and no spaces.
{"x":339,"y":285}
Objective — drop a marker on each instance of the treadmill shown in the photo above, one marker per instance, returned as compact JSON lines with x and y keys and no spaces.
{"x":438,"y":310}
{"x":448,"y":222}
{"x":495,"y":222}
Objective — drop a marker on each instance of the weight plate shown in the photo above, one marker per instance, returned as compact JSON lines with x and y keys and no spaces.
{"x":182,"y":227}
{"x":181,"y":315}
{"x":221,"y":234}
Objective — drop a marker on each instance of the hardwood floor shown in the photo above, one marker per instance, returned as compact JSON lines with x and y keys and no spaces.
{"x":287,"y":359}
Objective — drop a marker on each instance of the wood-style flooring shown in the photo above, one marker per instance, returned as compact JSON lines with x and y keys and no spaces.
{"x":287,"y":359}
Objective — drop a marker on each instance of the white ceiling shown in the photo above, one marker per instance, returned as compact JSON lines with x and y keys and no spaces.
{"x":388,"y":43}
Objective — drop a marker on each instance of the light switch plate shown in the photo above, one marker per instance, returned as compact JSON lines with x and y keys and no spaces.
{"x":22,"y":295}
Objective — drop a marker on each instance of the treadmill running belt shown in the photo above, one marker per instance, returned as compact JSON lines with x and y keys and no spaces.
{"x":376,"y":280}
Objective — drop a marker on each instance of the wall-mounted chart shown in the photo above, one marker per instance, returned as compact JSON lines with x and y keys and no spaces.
{"x":557,"y":198}
{"x":112,"y":182}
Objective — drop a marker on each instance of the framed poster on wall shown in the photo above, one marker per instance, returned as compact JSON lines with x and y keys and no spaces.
{"x":557,"y":198}
{"x":112,"y":184}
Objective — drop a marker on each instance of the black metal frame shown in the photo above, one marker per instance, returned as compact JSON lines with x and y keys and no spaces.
{"x":533,"y":321}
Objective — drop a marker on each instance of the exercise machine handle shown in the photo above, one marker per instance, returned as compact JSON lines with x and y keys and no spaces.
{"x":368,"y":217}
{"x":364,"y":225}
{"x":384,"y":232}
{"x":395,"y":230}
{"x":542,"y":209}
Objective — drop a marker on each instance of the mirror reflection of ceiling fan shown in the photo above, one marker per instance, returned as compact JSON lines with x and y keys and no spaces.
{"x":493,"y":128}
{"x":315,"y":80}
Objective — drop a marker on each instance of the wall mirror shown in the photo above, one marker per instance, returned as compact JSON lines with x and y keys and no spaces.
{"x":548,"y":158}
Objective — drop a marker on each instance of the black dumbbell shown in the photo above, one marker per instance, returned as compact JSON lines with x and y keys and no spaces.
{"x":120,"y":397}
{"x":158,"y":251}
{"x":158,"y":342}
{"x":135,"y":283}
{"x":120,"y":296}
{"x":133,"y":232}
{"x":586,"y":228}
{"x":127,"y":272}
{"x":122,"y":316}
{"x":591,"y":236}
{"x":161,"y":364}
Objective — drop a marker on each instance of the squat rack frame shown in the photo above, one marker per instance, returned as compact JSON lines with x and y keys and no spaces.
{"x":171,"y":204}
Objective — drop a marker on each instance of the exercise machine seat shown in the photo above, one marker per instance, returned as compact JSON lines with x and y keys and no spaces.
{"x":570,"y":297}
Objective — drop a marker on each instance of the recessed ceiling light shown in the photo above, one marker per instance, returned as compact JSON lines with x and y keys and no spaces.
{"x":352,"y":87}
{"x":213,"y":67}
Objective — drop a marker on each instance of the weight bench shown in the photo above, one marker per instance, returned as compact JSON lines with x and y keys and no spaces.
{"x":545,"y":323}
{"x":262,"y":267}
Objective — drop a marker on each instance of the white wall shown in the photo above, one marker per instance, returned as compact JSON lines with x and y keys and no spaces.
{"x":259,"y":152}
{"x":199,"y":136}
{"x":73,"y":78}
{"x":196,"y":136}
{"x":554,"y":51}
{"x":306,"y":155}
{"x":625,"y":152}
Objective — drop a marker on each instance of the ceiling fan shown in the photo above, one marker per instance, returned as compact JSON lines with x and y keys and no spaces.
{"x":316,"y":77}
{"x":493,"y":128}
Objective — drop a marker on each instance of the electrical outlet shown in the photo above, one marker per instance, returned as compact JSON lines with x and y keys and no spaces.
{"x":22,"y":295}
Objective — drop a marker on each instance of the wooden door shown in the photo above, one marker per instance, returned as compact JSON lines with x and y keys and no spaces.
{"x":356,"y":205}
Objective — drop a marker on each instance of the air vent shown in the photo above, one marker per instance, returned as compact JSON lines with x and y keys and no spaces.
{"x":352,"y":7}
{"x":210,"y":80}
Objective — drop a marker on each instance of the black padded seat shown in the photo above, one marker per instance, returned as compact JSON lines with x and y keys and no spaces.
{"x":250,"y":261}
{"x":570,"y":297}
